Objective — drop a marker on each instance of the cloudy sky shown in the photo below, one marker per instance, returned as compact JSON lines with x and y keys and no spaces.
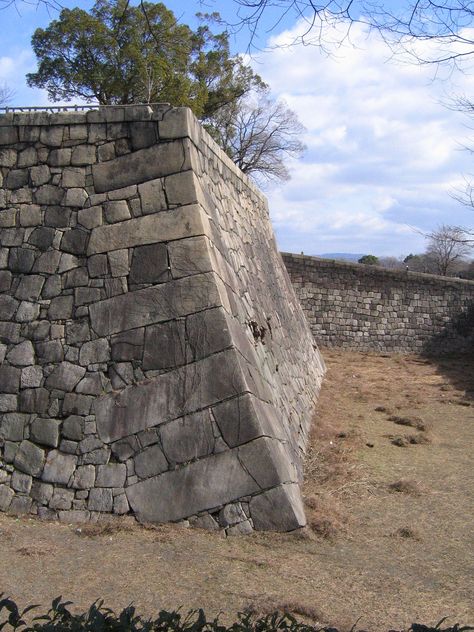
{"x":383,"y":152}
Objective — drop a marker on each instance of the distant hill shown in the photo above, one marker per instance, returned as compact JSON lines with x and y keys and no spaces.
{"x":348,"y":256}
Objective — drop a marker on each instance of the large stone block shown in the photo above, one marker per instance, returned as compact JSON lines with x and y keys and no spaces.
{"x":188,"y":438}
{"x":149,"y":264}
{"x":180,"y":493}
{"x":59,"y":467}
{"x":278,"y":509}
{"x":29,"y":458}
{"x":169,"y":396}
{"x":165,"y":345}
{"x":65,"y":376}
{"x":155,"y":304}
{"x":160,"y":227}
{"x":139,"y":166}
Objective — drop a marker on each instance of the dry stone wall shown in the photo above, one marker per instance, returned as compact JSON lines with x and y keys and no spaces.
{"x":369,"y":308}
{"x":154,"y":357}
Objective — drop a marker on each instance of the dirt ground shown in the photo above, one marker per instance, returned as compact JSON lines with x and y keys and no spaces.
{"x":390,"y":503}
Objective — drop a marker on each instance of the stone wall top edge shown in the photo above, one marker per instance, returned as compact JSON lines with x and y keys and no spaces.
{"x":125,"y":113}
{"x":96,"y":114}
{"x":211,"y":144}
{"x":378,"y":271}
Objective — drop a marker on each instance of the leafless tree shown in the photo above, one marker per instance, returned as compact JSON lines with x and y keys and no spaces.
{"x":404,"y":26}
{"x":392,"y":263}
{"x":6,"y":95}
{"x":447,"y":246}
{"x":259,"y":134}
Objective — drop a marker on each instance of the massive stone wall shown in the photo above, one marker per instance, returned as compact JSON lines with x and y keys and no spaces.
{"x":154,"y":357}
{"x":369,"y":308}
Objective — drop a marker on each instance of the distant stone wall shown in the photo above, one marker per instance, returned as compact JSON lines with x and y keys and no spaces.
{"x":154,"y":357}
{"x":364,"y":307}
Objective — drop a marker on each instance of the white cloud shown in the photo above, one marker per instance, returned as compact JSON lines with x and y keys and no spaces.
{"x":383,"y":153}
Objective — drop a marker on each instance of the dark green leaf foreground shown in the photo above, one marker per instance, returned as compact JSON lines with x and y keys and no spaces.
{"x":101,"y":619}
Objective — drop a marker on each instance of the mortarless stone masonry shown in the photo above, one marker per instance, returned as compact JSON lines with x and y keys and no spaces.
{"x":364,"y":307}
{"x":154,"y":357}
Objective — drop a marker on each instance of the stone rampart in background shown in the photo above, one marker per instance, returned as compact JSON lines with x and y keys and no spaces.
{"x":364,"y":307}
{"x":154,"y":357}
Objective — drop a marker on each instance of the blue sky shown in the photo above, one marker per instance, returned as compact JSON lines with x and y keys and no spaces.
{"x":383,"y":153}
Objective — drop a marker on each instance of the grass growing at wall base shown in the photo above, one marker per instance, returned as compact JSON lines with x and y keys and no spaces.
{"x":102,"y":619}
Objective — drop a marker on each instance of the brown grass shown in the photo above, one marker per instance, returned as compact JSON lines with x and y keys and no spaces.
{"x":102,"y":529}
{"x":413,"y":422}
{"x":407,"y":533}
{"x":365,"y":559}
{"x":266,"y":606}
{"x":405,"y":487}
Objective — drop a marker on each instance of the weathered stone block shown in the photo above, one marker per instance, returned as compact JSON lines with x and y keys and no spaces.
{"x":84,"y":477}
{"x":22,"y":354}
{"x":48,"y":195}
{"x":8,"y":306}
{"x":9,"y":379}
{"x":118,"y":262}
{"x":90,"y":217}
{"x":6,"y":495}
{"x":150,"y":462}
{"x":61,"y":499}
{"x":97,"y":266}
{"x":59,"y":467}
{"x":169,"y":396}
{"x":75,"y":404}
{"x":31,"y":376}
{"x":91,"y":384}
{"x":27,"y":312}
{"x":159,"y":227}
{"x":21,"y":260}
{"x":12,"y":426}
{"x":155,"y":304}
{"x":128,"y":345}
{"x":30,"y":287}
{"x":278,"y":509}
{"x":41,"y":492}
{"x":100,"y":499}
{"x":65,"y":376}
{"x":29,"y":458}
{"x":61,"y":308}
{"x":94,"y":352}
{"x":188,"y":438}
{"x":245,"y":418}
{"x":51,"y":351}
{"x":181,"y":493}
{"x":140,"y":166}
{"x":152,"y":197}
{"x":45,"y":432}
{"x":8,"y":402}
{"x":165,"y":345}
{"x":73,"y":428}
{"x":149,"y":264}
{"x":21,"y":482}
{"x":74,"y":241}
{"x":111,"y":475}
{"x":47,"y":262}
{"x":42,"y":237}
{"x":30,"y":215}
{"x":40,"y":175}
{"x":116,"y":211}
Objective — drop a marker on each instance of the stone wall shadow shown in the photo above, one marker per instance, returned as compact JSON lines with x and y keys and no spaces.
{"x":452,"y":350}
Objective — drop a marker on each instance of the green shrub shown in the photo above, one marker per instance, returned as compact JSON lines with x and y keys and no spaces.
{"x":101,"y":619}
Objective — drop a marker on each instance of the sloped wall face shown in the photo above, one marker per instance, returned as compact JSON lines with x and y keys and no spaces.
{"x":155,"y":360}
{"x":369,"y":308}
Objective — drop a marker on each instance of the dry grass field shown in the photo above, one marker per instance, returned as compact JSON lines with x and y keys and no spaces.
{"x":390,"y":503}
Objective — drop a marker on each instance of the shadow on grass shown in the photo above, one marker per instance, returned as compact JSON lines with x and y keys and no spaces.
{"x":452,"y":350}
